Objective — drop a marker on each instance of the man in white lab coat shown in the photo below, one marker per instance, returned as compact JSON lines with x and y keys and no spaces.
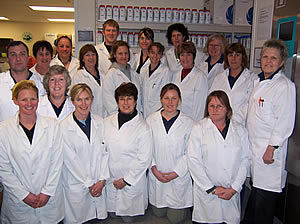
{"x":271,"y":116}
{"x":17,"y":58}
{"x":110,"y":32}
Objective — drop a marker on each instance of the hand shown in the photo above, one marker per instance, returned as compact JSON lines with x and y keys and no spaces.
{"x":170,"y":175}
{"x":31,"y":200}
{"x":119,"y":184}
{"x":42,"y":200}
{"x":96,"y":189}
{"x":268,"y":155}
{"x":159,"y":175}
{"x":224,"y":193}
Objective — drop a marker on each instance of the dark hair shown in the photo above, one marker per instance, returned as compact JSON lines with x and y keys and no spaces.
{"x":114,"y":48}
{"x":86,"y":48}
{"x":177,"y":27}
{"x":126,"y":89}
{"x":170,"y":86}
{"x":222,"y":96}
{"x":42,"y":44}
{"x":66,"y":37}
{"x":147,"y":32}
{"x":187,"y":47}
{"x":110,"y":22}
{"x":17,"y":43}
{"x":238,"y":48}
{"x":159,"y":46}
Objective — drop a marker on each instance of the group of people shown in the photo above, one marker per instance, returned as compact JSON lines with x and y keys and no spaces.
{"x":113,"y":131}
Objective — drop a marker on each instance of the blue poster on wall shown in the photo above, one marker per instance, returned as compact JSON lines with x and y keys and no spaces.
{"x":286,"y":31}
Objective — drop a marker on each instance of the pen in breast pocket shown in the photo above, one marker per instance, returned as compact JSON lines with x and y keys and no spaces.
{"x":261,"y":102}
{"x":153,"y":85}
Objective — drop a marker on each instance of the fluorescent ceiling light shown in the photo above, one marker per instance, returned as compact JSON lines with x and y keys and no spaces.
{"x":62,"y":20}
{"x":3,"y":18}
{"x":52,"y":9}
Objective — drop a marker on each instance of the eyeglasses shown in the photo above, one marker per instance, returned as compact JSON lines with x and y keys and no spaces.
{"x":218,"y":107}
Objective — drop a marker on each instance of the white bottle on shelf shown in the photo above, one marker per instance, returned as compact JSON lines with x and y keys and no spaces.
{"x":168,"y":15}
{"x":175,"y":13}
{"x":162,"y":15}
{"x":116,"y":12}
{"x":143,"y":14}
{"x":136,"y":38}
{"x":130,"y":39}
{"x":108,"y":12}
{"x":181,"y":15}
{"x":201,"y":16}
{"x":195,"y":16}
{"x":200,"y":41}
{"x":129,"y":13}
{"x":149,"y":14}
{"x":207,"y":17}
{"x":122,"y":13}
{"x":188,"y":16}
{"x":124,"y":36}
{"x":136,"y":14}
{"x":102,"y":12}
{"x":155,"y":14}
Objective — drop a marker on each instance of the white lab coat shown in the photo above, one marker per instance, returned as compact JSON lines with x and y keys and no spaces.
{"x":83,"y":76}
{"x":215,"y":161}
{"x":45,"y":108}
{"x":33,"y":70}
{"x":135,"y":61}
{"x":151,"y":87}
{"x":85,"y":163}
{"x":74,"y":64}
{"x":112,"y":80}
{"x":130,"y":150}
{"x":7,"y":106}
{"x":169,"y":154}
{"x":193,"y":90}
{"x":34,"y":168}
{"x":271,"y":123}
{"x":104,"y":63}
{"x":239,"y":94}
{"x":175,"y":65}
{"x":218,"y":68}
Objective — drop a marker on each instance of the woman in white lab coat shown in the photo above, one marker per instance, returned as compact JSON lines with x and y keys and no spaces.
{"x":153,"y":78}
{"x":56,"y":103}
{"x":215,"y":47}
{"x":270,"y":122}
{"x":236,"y":81}
{"x":192,"y":82}
{"x":64,"y":55}
{"x":31,"y":162}
{"x":88,"y":73}
{"x":177,"y":33}
{"x":129,"y":144}
{"x":119,"y":72}
{"x":218,"y":159}
{"x":170,"y":184}
{"x":85,"y":168}
{"x":141,"y":58}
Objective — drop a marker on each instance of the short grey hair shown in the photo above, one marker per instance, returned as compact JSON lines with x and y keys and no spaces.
{"x":279,"y":45}
{"x":54,"y":70}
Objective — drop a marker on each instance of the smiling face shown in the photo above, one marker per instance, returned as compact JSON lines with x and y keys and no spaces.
{"x":186,"y":60}
{"x":216,"y":110}
{"x":64,"y":48}
{"x":170,"y":101}
{"x":177,"y":38}
{"x":270,"y":61}
{"x":122,"y":55}
{"x":90,"y":59}
{"x":154,"y":55}
{"x":82,"y":102}
{"x":126,"y":104}
{"x":144,"y":42}
{"x":17,"y":58}
{"x":57,"y":85}
{"x":27,"y":101}
{"x":110,"y":34}
{"x":43,"y":57}
{"x":235,"y":60}
{"x":214,"y":48}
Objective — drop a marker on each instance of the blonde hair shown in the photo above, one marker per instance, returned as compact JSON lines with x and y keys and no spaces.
{"x":24,"y":84}
{"x":78,"y":89}
{"x":220,"y":37}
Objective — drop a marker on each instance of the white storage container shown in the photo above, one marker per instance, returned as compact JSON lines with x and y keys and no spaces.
{"x":188,"y":16}
{"x":102,"y":12}
{"x":129,"y":13}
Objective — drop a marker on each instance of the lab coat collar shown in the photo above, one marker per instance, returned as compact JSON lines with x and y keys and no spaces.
{"x":132,"y":122}
{"x":177,"y":123}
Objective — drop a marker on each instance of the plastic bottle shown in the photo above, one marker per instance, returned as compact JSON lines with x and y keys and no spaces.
{"x":168,"y":15}
{"x":122,"y":13}
{"x":149,"y":14}
{"x":155,"y":14}
{"x":162,"y":15}
{"x":188,"y":16}
{"x":207,"y":17}
{"x":136,"y":14}
{"x":102,"y":12}
{"x":201,"y":16}
{"x":116,"y":12}
{"x":108,"y":12}
{"x":195,"y":16}
{"x":143,"y":14}
{"x":175,"y":13}
{"x":129,"y":13}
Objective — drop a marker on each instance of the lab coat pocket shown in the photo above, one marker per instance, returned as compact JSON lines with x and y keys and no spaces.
{"x":76,"y":193}
{"x":264,"y":110}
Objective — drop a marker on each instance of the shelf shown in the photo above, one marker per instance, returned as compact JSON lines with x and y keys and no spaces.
{"x":191,"y":27}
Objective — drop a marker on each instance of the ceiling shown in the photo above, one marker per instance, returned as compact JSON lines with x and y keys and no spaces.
{"x":18,"y":10}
